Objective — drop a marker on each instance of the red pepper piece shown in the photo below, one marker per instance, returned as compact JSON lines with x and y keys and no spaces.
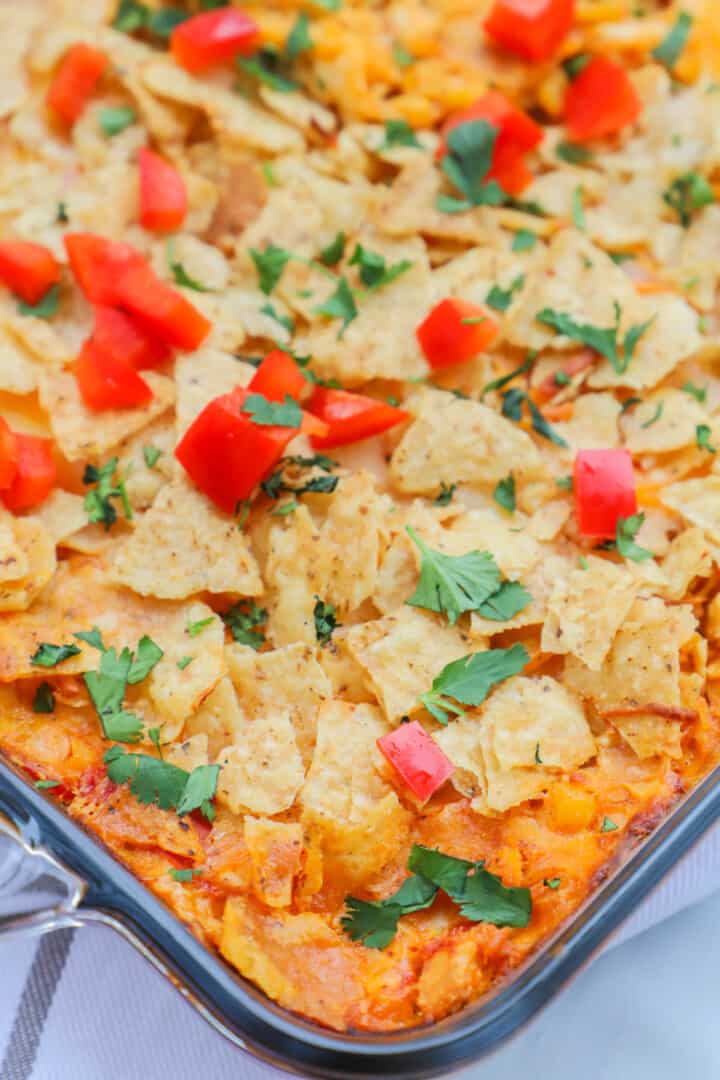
{"x":97,"y":262}
{"x":8,"y":455}
{"x":120,"y":336}
{"x":80,"y":71}
{"x":107,"y":381}
{"x":35,"y":474}
{"x":604,"y":485}
{"x":600,"y":101}
{"x":532,"y":29}
{"x":28,"y":269}
{"x":226,"y":454}
{"x":517,"y":133}
{"x":163,"y":199}
{"x":162,"y":310}
{"x":454,"y":332}
{"x":213,"y":37}
{"x":417,"y":758}
{"x":277,"y":376}
{"x":351,"y":417}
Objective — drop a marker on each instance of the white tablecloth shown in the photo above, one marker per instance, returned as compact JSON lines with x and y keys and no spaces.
{"x":89,"y":1008}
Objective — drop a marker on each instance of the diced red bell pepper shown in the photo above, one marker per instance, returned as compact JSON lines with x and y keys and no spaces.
{"x":454,"y":332}
{"x":8,"y":455}
{"x":28,"y":269}
{"x":351,"y":417}
{"x":417,"y":758}
{"x":80,"y":71}
{"x":107,"y":381}
{"x":532,"y":29}
{"x":97,"y":263}
{"x":163,"y":198}
{"x":604,"y":486}
{"x":117,"y":275}
{"x":35,"y":474}
{"x":161,"y":309}
{"x":226,"y":454}
{"x":600,"y":101}
{"x":117,"y":335}
{"x":277,"y":376}
{"x":213,"y":37}
{"x":517,"y":133}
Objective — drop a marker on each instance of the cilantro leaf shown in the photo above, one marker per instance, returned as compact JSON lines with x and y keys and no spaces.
{"x":130,"y":16}
{"x":453,"y":584}
{"x":399,"y":133}
{"x":374,"y":922}
{"x":578,"y":209}
{"x":298,"y":40}
{"x":524,"y":240}
{"x":283,"y":320}
{"x":47,"y":655}
{"x":44,"y":699}
{"x":325,"y":621}
{"x":199,"y":791}
{"x":470,"y":679}
{"x":401,"y":56}
{"x":62,"y":215}
{"x":151,"y":456}
{"x":46,"y":306}
{"x":92,"y":637}
{"x":602,"y":340}
{"x":195,"y":628}
{"x":608,"y":825}
{"x":446,"y":494}
{"x":333,"y":253}
{"x":46,"y":785}
{"x":501,"y":299}
{"x":703,"y":434}
{"x":114,"y":120}
{"x":242,"y":619}
{"x":266,"y":413}
{"x":482,"y":897}
{"x":179,"y":273}
{"x":269,"y":66}
{"x":151,"y":779}
{"x":573,"y":153}
{"x":184,"y":876}
{"x":688,"y":193}
{"x":270,"y":264}
{"x":698,"y":392}
{"x":498,"y":384}
{"x":373,"y":271}
{"x":669,"y":50}
{"x":512,"y":407}
{"x":147,"y":655}
{"x":163,"y":22}
{"x":552,"y":883}
{"x":510,"y":598}
{"x":185,"y":661}
{"x":340,"y":305}
{"x":625,"y":533}
{"x":659,"y":408}
{"x":467,"y":163}
{"x":575,"y":64}
{"x":98,"y":505}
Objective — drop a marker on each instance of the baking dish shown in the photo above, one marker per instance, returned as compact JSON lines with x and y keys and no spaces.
{"x":84,"y":885}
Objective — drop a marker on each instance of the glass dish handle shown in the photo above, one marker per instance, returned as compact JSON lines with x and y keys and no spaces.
{"x":37,"y":893}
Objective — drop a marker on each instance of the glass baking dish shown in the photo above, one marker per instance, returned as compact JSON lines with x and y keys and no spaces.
{"x":54,"y":875}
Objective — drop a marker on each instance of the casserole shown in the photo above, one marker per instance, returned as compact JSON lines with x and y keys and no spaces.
{"x":360,"y":526}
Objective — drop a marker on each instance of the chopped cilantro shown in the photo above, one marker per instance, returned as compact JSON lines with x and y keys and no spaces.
{"x":565,"y":483}
{"x":46,"y":307}
{"x":655,"y":416}
{"x":498,"y":384}
{"x":163,"y":21}
{"x":333,"y":253}
{"x":446,"y":494}
{"x":578,"y":209}
{"x":688,"y":193}
{"x":44,"y":699}
{"x":47,"y":655}
{"x":698,"y":392}
{"x":195,"y":628}
{"x":575,"y":64}
{"x":92,"y":637}
{"x":153,"y":780}
{"x":561,"y":378}
{"x":552,"y":882}
{"x":61,"y":217}
{"x":283,"y":320}
{"x":184,"y":876}
{"x":401,"y":56}
{"x":325,"y":621}
{"x":453,"y":584}
{"x":266,"y":413}
{"x":583,"y":563}
{"x":510,"y":598}
{"x":153,"y":735}
{"x":703,"y":434}
{"x":399,"y":133}
{"x":467,"y":163}
{"x":470,"y":679}
{"x":147,"y":655}
{"x":504,"y":493}
{"x":285,"y":509}
{"x":98,"y":504}
{"x":270,"y":264}
{"x":625,"y":533}
{"x":299,"y":40}
{"x":185,"y":661}
{"x":179,"y":273}
{"x":669,"y":50}
{"x":107,"y":687}
{"x":524,"y":240}
{"x":151,"y":456}
{"x":608,"y":825}
{"x":620,"y":257}
{"x":242,"y":620}
{"x":374,"y":922}
{"x":538,"y":759}
{"x":573,"y":153}
{"x":130,"y":16}
{"x":269,"y":66}
{"x":340,"y":305}
{"x":46,"y":785}
{"x":512,"y":407}
{"x":602,"y":340}
{"x":114,"y":120}
{"x":372,"y":268}
{"x":500,"y":299}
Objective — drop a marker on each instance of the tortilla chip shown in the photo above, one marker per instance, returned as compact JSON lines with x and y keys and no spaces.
{"x":649,"y":734}
{"x":263,"y":771}
{"x":219,"y":716}
{"x":698,"y":501}
{"x":28,"y":547}
{"x":189,"y":754}
{"x":689,"y":556}
{"x":202,"y":376}
{"x":184,"y":545}
{"x":276,"y":849}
